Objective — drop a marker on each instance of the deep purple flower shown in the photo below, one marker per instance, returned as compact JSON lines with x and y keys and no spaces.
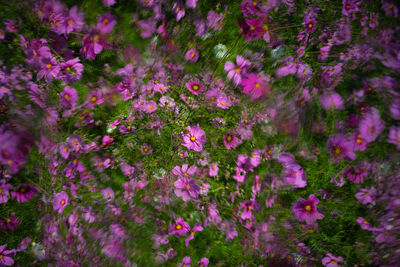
{"x":71,"y":70}
{"x":356,"y":173}
{"x":390,"y":8}
{"x":339,"y":147}
{"x":23,"y":244}
{"x":49,"y":69}
{"x":366,"y":196}
{"x":350,"y":6}
{"x":331,"y":261}
{"x":306,"y":210}
{"x":194,"y":139}
{"x":74,"y":20}
{"x":248,"y":206}
{"x":5,"y":259}
{"x":186,"y":188}
{"x":9,"y":223}
{"x":235,"y":72}
{"x":179,"y":228}
{"x":24,"y":192}
{"x":60,"y":201}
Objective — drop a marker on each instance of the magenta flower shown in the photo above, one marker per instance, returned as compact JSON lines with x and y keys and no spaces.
{"x":68,"y":97}
{"x":185,"y":171}
{"x":248,"y":206}
{"x":9,"y":223}
{"x":71,"y":70}
{"x":108,"y":3}
{"x":240,"y":175}
{"x":213,"y":169}
{"x":203,"y":262}
{"x":197,"y":228}
{"x":310,"y":26}
{"x":306,"y":210}
{"x":235,"y":72}
{"x":5,"y":259}
{"x":106,"y":23}
{"x":186,"y":188}
{"x":295,"y":175}
{"x":195,"y":86}
{"x":339,"y":147}
{"x":255,"y":86}
{"x":178,"y":9}
{"x":194,"y":139}
{"x":357,"y":173}
{"x":23,"y":244}
{"x":366,"y":196}
{"x":371,"y":125}
{"x":223,"y":101}
{"x":230,"y":140}
{"x":364,"y":224}
{"x":350,"y":7}
{"x":146,"y":149}
{"x":331,"y":261}
{"x":108,"y":194}
{"x":74,"y":20}
{"x":95,"y":97}
{"x":49,"y":70}
{"x":147,"y":27}
{"x":179,"y":228}
{"x":60,"y":201}
{"x":185,"y":262}
{"x":150,"y":106}
{"x":331,"y":101}
{"x":394,"y":136}
{"x":24,"y":193}
{"x":4,"y":192}
{"x":192,"y":55}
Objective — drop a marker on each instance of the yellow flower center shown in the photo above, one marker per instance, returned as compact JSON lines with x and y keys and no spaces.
{"x":178,"y":227}
{"x":338,"y":151}
{"x":70,"y":22}
{"x":150,"y":107}
{"x":93,"y":99}
{"x":237,"y":69}
{"x":265,"y":27}
{"x":310,"y":25}
{"x":257,"y":85}
{"x":105,"y":21}
{"x":307,"y":208}
{"x":192,"y":138}
{"x":195,"y":87}
{"x":63,"y":202}
{"x":48,"y":66}
{"x":188,"y":187}
{"x":229,"y":138}
{"x":95,"y":38}
{"x":66,"y":96}
{"x":252,"y":28}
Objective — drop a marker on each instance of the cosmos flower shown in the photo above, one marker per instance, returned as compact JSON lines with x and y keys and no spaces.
{"x":4,"y":192}
{"x":186,"y":188}
{"x":24,"y":192}
{"x":306,"y":210}
{"x":230,"y":140}
{"x":195,"y":86}
{"x":235,"y":72}
{"x":186,"y":260}
{"x":366,"y":196}
{"x":185,"y":171}
{"x":371,"y":125}
{"x":331,"y":101}
{"x":364,"y":224}
{"x":310,"y":26}
{"x":179,"y":228}
{"x":106,"y":23}
{"x":255,"y":86}
{"x":197,"y":228}
{"x":203,"y":262}
{"x":213,"y":169}
{"x":60,"y":201}
{"x":108,"y":193}
{"x":192,"y":55}
{"x":194,"y":139}
{"x":5,"y":259}
{"x":331,"y":261}
{"x":394,"y":136}
{"x":340,"y":148}
{"x":68,"y":97}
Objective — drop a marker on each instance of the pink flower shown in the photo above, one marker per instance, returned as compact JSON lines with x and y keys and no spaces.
{"x":240,"y":175}
{"x":213,"y":169}
{"x":366,"y":196}
{"x":185,"y":171}
{"x":197,"y":228}
{"x":364,"y":224}
{"x":108,"y":193}
{"x":255,"y":86}
{"x":394,"y":136}
{"x":4,"y":192}
{"x":192,"y":55}
{"x":60,"y":201}
{"x":235,"y":71}
{"x":339,"y":147}
{"x":331,"y":261}
{"x":49,"y":70}
{"x":371,"y":125}
{"x":310,"y":26}
{"x":203,"y":262}
{"x":195,"y":86}
{"x":194,"y":139}
{"x":179,"y":228}
{"x":186,"y":188}
{"x":331,"y":101}
{"x":24,"y":193}
{"x":230,"y":140}
{"x":106,"y":23}
{"x":306,"y":210}
{"x":5,"y":259}
{"x":68,"y":97}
